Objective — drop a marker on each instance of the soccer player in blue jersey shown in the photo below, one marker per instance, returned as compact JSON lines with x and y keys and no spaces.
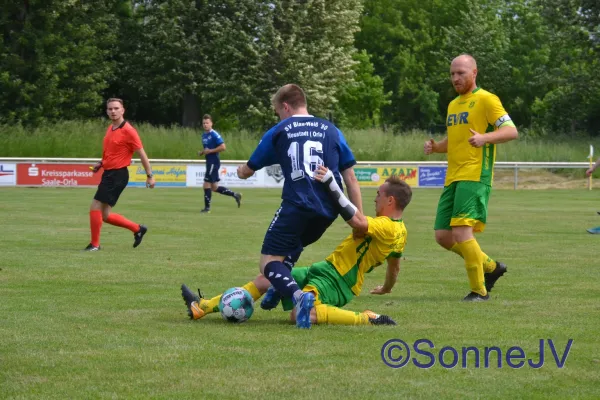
{"x":213,"y":144}
{"x":300,"y":143}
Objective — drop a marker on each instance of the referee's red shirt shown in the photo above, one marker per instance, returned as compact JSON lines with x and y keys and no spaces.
{"x":119,"y":146}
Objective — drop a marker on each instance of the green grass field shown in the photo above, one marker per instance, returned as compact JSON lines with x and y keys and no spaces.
{"x":112,"y":324}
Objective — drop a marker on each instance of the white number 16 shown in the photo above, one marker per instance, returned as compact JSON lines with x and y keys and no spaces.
{"x":312,"y":158}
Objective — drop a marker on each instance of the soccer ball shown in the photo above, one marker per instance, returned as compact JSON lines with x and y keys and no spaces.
{"x":236,"y":305}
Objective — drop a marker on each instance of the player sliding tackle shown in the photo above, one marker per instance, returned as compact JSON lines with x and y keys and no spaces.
{"x":337,"y":279}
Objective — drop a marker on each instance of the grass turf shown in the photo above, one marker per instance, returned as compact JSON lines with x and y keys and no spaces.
{"x":112,"y":324}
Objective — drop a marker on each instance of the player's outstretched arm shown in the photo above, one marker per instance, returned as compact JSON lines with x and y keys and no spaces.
{"x":352,"y":187}
{"x":348,"y":211}
{"x":391,"y":276}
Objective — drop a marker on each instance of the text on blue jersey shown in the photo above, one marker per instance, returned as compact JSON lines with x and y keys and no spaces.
{"x":300,"y":144}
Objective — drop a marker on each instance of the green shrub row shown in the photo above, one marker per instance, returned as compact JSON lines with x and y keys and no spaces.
{"x":84,"y":139}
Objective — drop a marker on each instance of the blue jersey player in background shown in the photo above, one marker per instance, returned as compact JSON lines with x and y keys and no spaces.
{"x":213,"y":144}
{"x":300,"y":143}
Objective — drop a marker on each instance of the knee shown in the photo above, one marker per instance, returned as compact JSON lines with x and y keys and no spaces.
{"x":444,"y":238}
{"x":95,"y":205}
{"x":293,"y":316}
{"x":105,"y":217}
{"x":462,"y":233}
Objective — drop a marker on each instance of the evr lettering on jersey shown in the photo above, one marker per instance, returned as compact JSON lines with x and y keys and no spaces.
{"x":458,"y":119}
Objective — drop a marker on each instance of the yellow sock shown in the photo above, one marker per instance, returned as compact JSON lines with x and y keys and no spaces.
{"x":456,"y":249}
{"x":212,"y":305}
{"x":336,"y":316}
{"x":474,"y":264}
{"x":253,"y":290}
{"x":489,"y":265}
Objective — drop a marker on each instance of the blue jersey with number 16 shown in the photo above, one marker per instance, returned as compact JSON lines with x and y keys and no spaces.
{"x":300,"y":144}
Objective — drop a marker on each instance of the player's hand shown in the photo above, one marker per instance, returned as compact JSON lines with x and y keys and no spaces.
{"x":356,"y":234}
{"x":380,"y":290}
{"x":428,"y":147}
{"x":96,"y":167}
{"x":150,"y":182}
{"x":244,"y":171}
{"x":477,"y":139}
{"x":322,"y":173}
{"x":201,"y":153}
{"x":590,"y":171}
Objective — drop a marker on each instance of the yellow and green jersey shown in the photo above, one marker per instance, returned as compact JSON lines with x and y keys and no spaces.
{"x":353,"y":258}
{"x":483,"y":112}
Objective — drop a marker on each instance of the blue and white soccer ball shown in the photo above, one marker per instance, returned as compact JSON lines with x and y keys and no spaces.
{"x":236,"y":305}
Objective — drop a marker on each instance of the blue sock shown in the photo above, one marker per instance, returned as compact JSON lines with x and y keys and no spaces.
{"x":281,"y":278}
{"x":207,"y":196}
{"x":225,"y":191}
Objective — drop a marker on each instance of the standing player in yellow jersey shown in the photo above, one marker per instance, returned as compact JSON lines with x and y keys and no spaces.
{"x":337,"y":279}
{"x":476,"y":123}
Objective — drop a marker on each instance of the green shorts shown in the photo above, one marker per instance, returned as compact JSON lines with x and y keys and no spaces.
{"x":323,"y":279}
{"x":463,"y":203}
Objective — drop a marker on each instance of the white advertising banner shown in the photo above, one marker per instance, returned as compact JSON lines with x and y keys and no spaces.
{"x":228,"y":175}
{"x":273,"y":176}
{"x":8,"y":174}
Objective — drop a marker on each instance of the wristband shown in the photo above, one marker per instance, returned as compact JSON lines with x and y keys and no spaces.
{"x":149,"y":175}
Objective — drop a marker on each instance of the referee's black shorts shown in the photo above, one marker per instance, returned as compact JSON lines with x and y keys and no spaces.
{"x":111,"y":186}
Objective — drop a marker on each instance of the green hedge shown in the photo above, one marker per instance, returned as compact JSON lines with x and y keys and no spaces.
{"x":84,"y":139}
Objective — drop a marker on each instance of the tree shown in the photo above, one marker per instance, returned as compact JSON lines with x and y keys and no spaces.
{"x":361,"y":100}
{"x":191,"y":57}
{"x":310,"y":43}
{"x":402,"y":38}
{"x":53,"y":58}
{"x":571,"y":102}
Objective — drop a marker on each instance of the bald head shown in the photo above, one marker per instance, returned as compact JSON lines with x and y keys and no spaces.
{"x":463,"y":71}
{"x":466,"y":60}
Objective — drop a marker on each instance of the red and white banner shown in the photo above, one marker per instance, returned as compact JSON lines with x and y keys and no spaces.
{"x":8,"y":174}
{"x":57,"y":175}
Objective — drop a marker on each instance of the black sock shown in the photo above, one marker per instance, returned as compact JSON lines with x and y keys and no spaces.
{"x":225,"y":191}
{"x":207,"y":196}
{"x":281,"y":278}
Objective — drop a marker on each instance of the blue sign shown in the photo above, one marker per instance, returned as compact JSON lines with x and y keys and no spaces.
{"x":432,"y":176}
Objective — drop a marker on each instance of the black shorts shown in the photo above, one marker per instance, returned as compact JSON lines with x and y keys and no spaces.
{"x":212,"y":172}
{"x":111,"y":186}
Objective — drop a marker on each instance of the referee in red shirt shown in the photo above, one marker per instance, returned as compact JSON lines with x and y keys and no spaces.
{"x":120,"y":142}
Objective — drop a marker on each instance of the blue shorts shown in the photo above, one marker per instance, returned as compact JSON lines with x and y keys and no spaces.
{"x":212,"y":172}
{"x":292,"y":229}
